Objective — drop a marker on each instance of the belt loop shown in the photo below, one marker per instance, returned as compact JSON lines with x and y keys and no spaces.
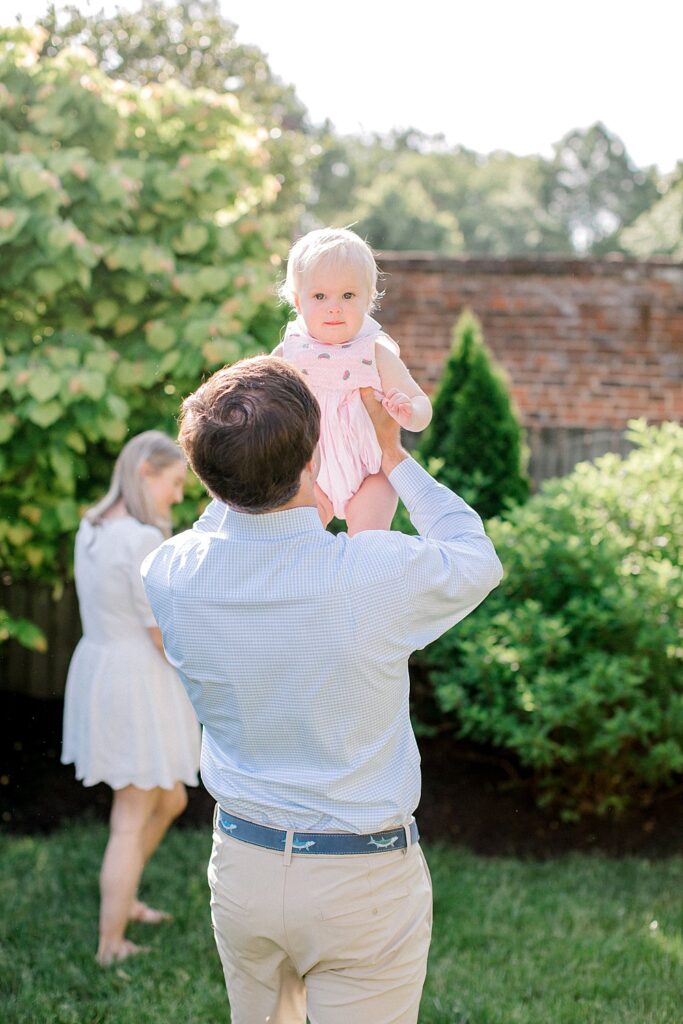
{"x":288,"y":847}
{"x":409,"y":838}
{"x":216,"y":813}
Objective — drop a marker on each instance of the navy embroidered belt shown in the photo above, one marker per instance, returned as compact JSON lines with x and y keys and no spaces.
{"x":317,"y":842}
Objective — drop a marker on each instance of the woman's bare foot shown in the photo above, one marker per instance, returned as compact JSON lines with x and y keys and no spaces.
{"x":147,"y":915}
{"x":122,"y":951}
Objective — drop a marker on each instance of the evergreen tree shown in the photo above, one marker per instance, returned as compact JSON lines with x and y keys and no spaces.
{"x":474,"y":431}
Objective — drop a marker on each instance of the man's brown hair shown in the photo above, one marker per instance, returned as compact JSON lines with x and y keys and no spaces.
{"x":248,"y":432}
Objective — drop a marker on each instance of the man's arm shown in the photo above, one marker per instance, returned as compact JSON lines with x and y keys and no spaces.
{"x":452,"y":566}
{"x":387,"y":430}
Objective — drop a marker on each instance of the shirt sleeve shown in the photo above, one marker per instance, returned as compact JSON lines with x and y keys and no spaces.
{"x":451,"y":566}
{"x":145,"y":540}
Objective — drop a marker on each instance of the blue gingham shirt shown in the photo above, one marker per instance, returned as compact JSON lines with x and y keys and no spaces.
{"x":293,"y":645}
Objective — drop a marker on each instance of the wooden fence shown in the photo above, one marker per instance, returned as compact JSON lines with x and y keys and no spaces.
{"x":554,"y":451}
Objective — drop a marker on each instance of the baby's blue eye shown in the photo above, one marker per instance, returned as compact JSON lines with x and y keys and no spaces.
{"x":347,"y":295}
{"x":319,"y":295}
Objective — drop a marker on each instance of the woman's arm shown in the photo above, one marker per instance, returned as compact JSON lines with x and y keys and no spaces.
{"x":143,"y":539}
{"x":403,"y":398}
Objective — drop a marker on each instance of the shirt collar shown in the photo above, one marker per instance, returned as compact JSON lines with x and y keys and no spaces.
{"x":291,"y":522}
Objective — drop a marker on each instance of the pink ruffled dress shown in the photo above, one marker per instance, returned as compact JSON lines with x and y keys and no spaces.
{"x":335,"y":374}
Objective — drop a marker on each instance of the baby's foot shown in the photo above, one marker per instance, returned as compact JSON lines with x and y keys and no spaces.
{"x":147,"y":915}
{"x":121,"y":951}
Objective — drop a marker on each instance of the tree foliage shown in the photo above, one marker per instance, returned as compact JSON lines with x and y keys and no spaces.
{"x":408,"y":190}
{"x":188,"y":41}
{"x":398,"y":214}
{"x":134,"y":261}
{"x":658,"y":231}
{"x":191,"y":42}
{"x":412,"y":191}
{"x":594,"y":189}
{"x":474,"y":432}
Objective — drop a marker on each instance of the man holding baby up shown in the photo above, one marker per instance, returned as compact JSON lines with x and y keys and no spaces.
{"x":293,"y":645}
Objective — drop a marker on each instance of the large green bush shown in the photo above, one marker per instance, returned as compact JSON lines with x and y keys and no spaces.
{"x":474,"y":431}
{"x":135,"y":258}
{"x":574,"y":663}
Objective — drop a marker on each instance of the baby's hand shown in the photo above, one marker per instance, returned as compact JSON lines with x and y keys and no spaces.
{"x":399,"y":406}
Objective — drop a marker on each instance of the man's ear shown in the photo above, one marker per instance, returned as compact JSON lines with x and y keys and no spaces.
{"x":313,"y":466}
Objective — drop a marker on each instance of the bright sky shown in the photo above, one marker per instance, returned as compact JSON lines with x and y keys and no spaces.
{"x":489,"y":74}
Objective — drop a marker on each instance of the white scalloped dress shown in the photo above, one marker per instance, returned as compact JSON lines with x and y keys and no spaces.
{"x":127,"y":718}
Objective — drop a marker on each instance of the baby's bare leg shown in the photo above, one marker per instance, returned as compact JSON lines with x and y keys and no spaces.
{"x":325,"y":510}
{"x":373,"y":505}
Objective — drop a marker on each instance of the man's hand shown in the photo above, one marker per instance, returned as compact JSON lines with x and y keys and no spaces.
{"x":387,"y":430}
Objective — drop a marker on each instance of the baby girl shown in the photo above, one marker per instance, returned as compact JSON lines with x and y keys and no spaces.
{"x":332,"y":284}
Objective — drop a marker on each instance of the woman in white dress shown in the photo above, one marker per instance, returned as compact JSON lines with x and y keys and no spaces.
{"x":127,"y":719}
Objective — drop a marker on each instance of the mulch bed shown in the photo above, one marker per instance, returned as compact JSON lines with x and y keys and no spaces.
{"x":468,"y":797}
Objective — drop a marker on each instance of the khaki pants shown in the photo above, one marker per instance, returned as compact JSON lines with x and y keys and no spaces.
{"x":343,"y":939}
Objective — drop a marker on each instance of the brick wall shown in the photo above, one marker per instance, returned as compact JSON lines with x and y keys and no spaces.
{"x":586,"y":344}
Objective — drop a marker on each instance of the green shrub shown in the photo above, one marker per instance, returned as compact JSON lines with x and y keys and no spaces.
{"x":136,"y":258}
{"x":474,"y":430}
{"x":574,"y":662}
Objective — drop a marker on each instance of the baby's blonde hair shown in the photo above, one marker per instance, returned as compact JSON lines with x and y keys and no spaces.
{"x":337,"y":247}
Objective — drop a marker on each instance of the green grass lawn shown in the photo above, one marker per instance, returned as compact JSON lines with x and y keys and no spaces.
{"x":570,"y":941}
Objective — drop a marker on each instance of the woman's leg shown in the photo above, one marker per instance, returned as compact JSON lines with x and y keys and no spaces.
{"x":373,"y":505}
{"x":122,"y":865}
{"x":170,"y":804}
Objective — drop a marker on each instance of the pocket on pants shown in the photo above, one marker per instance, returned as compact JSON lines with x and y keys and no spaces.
{"x":425,"y":865}
{"x":224,"y":879}
{"x":368,"y":904}
{"x":383,"y":908}
{"x":369,"y":888}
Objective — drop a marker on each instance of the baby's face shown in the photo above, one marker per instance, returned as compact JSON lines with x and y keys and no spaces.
{"x":333,"y":302}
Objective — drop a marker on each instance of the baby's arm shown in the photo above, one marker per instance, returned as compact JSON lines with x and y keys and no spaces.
{"x":403,"y":398}
{"x":278,"y":350}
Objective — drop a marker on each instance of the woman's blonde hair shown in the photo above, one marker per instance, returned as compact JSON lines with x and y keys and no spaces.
{"x":128,"y":482}
{"x":337,"y":247}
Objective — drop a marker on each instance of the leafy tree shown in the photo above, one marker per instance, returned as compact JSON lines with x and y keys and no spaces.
{"x":474,"y":431}
{"x":191,"y":42}
{"x":594,"y":188}
{"x":494,"y":205}
{"x":135,"y":259}
{"x":659,"y":230}
{"x":502,"y":211}
{"x":332,"y":180}
{"x":408,"y":190}
{"x":399,"y":214}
